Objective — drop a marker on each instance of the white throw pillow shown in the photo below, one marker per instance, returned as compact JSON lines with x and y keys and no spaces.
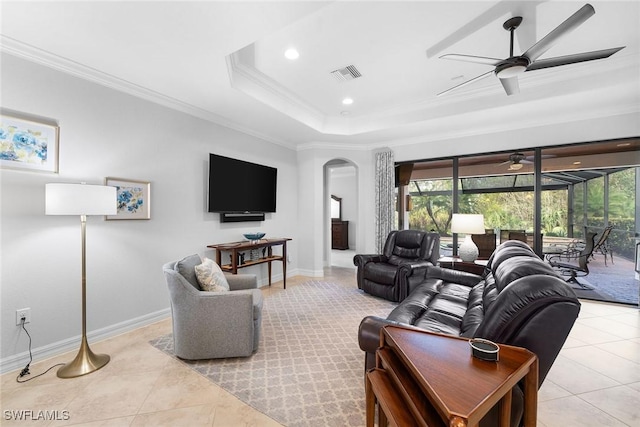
{"x":210,"y":277}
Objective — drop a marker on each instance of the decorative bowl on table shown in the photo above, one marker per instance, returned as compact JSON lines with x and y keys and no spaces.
{"x":253,"y":236}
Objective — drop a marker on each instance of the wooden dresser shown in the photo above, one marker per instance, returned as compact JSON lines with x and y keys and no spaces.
{"x":339,"y":234}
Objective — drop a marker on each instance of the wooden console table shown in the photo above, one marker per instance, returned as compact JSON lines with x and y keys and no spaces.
{"x":424,"y":378}
{"x":236,"y":247}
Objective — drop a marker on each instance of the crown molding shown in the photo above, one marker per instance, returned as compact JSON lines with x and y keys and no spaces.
{"x":33,"y":54}
{"x":319,"y":145}
{"x":263,"y":88}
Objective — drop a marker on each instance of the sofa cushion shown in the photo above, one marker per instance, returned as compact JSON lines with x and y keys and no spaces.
{"x":210,"y":277}
{"x":435,"y":306}
{"x":490,"y":292}
{"x":414,"y":306}
{"x":508,"y":249}
{"x":186,"y":268}
{"x":520,"y":266}
{"x":475,"y":311}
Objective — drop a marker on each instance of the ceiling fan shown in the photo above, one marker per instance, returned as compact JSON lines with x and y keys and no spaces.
{"x":516,"y":161}
{"x":507,"y":70}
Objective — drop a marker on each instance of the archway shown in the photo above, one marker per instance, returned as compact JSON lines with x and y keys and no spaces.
{"x":341,"y":227}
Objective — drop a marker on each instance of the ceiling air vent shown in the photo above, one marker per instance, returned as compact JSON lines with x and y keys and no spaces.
{"x":349,"y":72}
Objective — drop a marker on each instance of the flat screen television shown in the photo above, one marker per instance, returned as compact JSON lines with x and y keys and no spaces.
{"x":237,"y":186}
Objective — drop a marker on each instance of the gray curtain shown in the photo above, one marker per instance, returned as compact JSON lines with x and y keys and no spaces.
{"x":385,"y":199}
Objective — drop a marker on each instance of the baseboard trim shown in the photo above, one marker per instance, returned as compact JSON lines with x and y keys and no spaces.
{"x":275,"y":278}
{"x":311,"y":273}
{"x":18,"y":361}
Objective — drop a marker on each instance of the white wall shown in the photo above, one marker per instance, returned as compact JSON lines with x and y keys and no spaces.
{"x":103,"y":133}
{"x":313,"y":210}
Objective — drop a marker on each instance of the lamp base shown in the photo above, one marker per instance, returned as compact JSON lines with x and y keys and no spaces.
{"x":468,"y":251}
{"x":86,"y":361}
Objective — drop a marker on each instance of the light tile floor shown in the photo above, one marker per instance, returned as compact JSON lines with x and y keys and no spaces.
{"x":594,"y":382}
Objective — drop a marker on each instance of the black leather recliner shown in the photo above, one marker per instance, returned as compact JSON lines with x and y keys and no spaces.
{"x":402,"y":265}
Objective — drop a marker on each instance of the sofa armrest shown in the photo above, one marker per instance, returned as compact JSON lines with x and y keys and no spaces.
{"x":410,"y":274}
{"x":369,"y":332}
{"x":239,"y":282}
{"x":411,"y":267}
{"x":361,"y":259}
{"x":453,"y":276}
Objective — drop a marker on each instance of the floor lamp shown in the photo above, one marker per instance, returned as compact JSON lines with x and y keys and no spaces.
{"x":467,"y":224}
{"x":83,"y":200}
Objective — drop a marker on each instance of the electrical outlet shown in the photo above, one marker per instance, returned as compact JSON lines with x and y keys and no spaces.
{"x":23,"y":313}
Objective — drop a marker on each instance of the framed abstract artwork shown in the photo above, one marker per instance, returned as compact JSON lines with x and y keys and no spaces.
{"x":134,"y":198}
{"x":28,"y":144}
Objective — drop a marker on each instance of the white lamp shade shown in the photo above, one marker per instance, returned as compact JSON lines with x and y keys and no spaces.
{"x":80,"y":199}
{"x":467,"y":223}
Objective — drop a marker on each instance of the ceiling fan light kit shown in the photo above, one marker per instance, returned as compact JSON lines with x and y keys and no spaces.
{"x":511,"y":67}
{"x":508,"y":70}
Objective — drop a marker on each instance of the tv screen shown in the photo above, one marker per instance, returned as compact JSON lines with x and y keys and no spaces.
{"x":236,"y":186}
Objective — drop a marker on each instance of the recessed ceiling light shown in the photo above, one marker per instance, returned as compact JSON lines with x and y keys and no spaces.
{"x":577,"y":163}
{"x":291,"y":54}
{"x":623,"y":144}
{"x":347,"y":101}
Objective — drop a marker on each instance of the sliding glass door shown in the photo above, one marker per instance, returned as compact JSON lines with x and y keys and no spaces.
{"x":581,"y":187}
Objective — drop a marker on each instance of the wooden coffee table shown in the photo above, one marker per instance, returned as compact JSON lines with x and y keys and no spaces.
{"x":423,"y":378}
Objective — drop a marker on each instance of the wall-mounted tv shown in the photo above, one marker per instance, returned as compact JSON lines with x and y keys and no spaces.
{"x":240,"y":187}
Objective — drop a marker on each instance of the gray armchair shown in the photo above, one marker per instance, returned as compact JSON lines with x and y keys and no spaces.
{"x":210,"y":325}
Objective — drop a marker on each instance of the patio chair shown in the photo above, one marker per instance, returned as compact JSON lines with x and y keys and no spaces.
{"x":580,"y":269}
{"x":486,"y":244}
{"x":504,"y":235}
{"x":602,"y":245}
{"x":518,"y":235}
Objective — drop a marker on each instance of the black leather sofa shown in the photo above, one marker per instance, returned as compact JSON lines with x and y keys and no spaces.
{"x":402,"y":264}
{"x":519,"y":300}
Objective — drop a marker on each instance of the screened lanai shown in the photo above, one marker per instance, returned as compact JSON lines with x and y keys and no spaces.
{"x":570,"y":190}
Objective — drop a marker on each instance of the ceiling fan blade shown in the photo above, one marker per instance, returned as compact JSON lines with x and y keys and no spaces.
{"x":548,"y":41}
{"x":526,"y":162}
{"x":510,"y":85}
{"x":481,"y":76}
{"x":508,"y":162}
{"x":573,"y":59}
{"x":470,"y":58}
{"x":544,"y":156}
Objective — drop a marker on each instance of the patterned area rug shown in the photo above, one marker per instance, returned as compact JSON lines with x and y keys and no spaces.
{"x":308,"y":370}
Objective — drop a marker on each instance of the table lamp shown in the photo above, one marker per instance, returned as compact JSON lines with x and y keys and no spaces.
{"x":468,"y":224}
{"x":82,"y":200}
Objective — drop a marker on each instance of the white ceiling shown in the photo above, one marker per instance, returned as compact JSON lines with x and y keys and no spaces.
{"x":223,"y":61}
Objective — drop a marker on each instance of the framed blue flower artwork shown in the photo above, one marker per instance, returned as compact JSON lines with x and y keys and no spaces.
{"x":134,"y":198}
{"x":28,"y":144}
